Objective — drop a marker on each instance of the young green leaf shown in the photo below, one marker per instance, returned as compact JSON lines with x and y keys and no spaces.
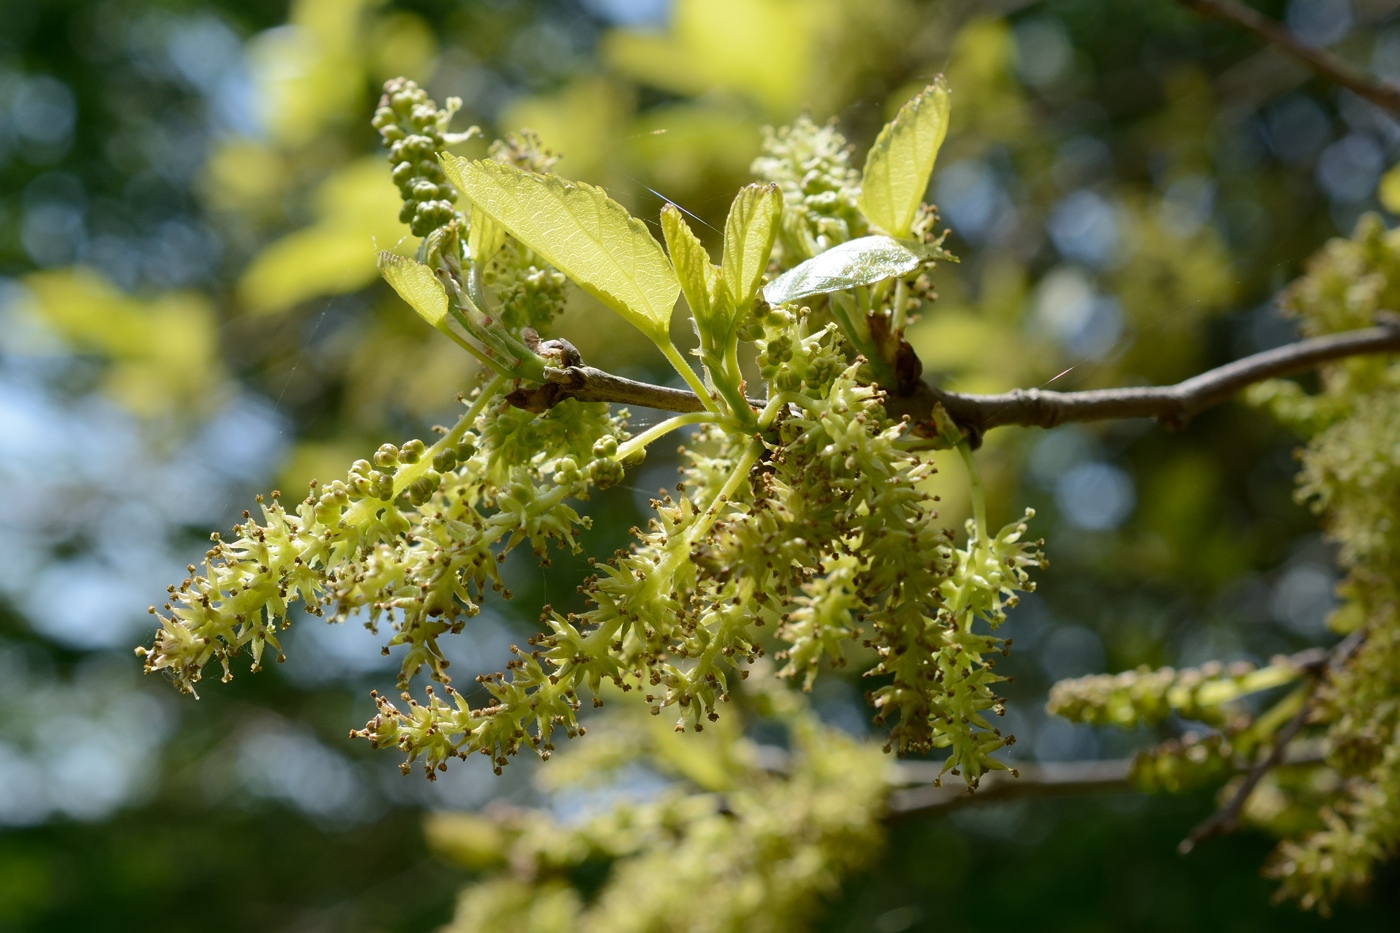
{"x":416,"y":285}
{"x":693,"y":266}
{"x":580,"y":231}
{"x":862,"y":261}
{"x":748,"y":240}
{"x":898,"y":166}
{"x":484,"y":238}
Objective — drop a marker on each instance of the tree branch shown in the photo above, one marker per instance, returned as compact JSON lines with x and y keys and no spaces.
{"x":1172,"y":405}
{"x":1227,"y":818}
{"x":588,"y":384}
{"x":1053,"y":779}
{"x":1321,"y":62}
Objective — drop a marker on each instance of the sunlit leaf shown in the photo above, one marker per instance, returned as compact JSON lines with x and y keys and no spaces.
{"x":580,"y":231}
{"x":485,"y":237}
{"x":863,"y":261}
{"x":416,"y":285}
{"x":898,"y":166}
{"x":692,"y":263}
{"x":748,"y":240}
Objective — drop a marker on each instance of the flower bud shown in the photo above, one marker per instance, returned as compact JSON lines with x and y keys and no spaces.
{"x":605,"y":446}
{"x":605,"y":473}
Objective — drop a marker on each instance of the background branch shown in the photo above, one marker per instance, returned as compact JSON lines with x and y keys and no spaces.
{"x":1227,"y":818}
{"x":1054,"y":779}
{"x":1321,"y":62}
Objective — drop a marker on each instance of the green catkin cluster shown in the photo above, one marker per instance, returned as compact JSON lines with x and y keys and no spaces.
{"x":828,"y":523}
{"x":1341,"y":816}
{"x":524,"y":150}
{"x":812,"y":166}
{"x":1186,"y":764}
{"x":1351,"y":474}
{"x":1144,"y":697}
{"x":415,"y":130}
{"x":529,"y":291}
{"x":801,"y":528}
{"x":775,"y":845}
{"x":807,"y":523}
{"x":414,"y":536}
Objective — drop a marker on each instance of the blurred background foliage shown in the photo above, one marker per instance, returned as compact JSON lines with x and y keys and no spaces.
{"x":190,"y":197}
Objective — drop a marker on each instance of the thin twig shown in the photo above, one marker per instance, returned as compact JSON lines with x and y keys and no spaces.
{"x":1172,"y":405}
{"x":1321,"y":62}
{"x":1226,"y":819}
{"x":914,"y":795}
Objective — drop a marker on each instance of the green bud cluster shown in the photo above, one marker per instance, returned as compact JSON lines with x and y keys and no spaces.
{"x":530,"y":292}
{"x":414,"y":130}
{"x":525,"y":151}
{"x":1144,"y":697}
{"x":812,"y":166}
{"x":790,"y":362}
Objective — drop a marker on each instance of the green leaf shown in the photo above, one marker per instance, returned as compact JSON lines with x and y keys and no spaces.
{"x":485,"y":238}
{"x":416,"y":285}
{"x":581,"y":232}
{"x":748,"y":240}
{"x":862,"y":261}
{"x":692,"y":263}
{"x":898,"y":166}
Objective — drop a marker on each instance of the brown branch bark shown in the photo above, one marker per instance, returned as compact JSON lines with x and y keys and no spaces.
{"x":588,"y":384}
{"x":1172,"y":405}
{"x":1321,"y":62}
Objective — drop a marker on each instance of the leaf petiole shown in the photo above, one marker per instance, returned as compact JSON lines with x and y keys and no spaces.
{"x":645,"y":439}
{"x":697,"y":385}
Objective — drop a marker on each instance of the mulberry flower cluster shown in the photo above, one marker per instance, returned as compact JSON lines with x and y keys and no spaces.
{"x":415,"y":130}
{"x":803,"y":528}
{"x":1351,"y":474}
{"x":812,"y":166}
{"x":1338,"y":806}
